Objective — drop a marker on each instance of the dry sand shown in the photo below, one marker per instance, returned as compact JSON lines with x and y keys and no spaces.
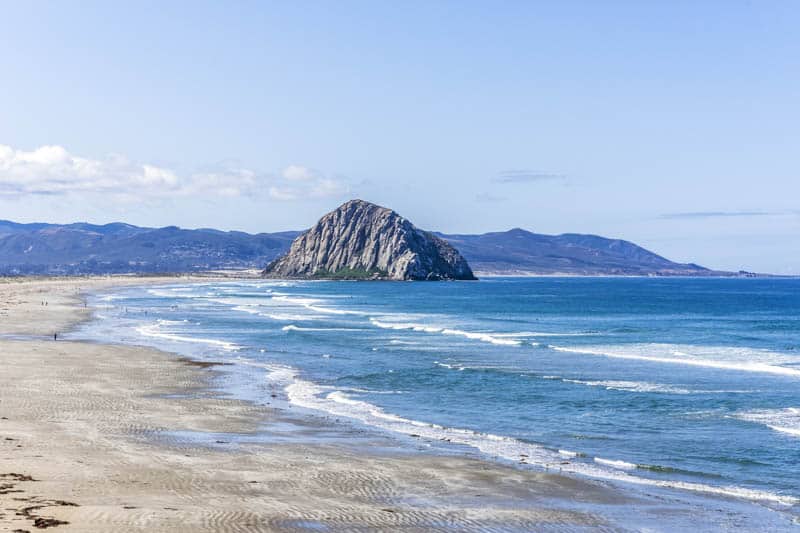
{"x":88,"y":443}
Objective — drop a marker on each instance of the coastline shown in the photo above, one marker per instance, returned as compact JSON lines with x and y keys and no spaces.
{"x":126,"y":438}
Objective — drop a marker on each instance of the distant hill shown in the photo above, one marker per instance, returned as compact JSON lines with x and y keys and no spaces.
{"x":518,"y":251}
{"x":122,"y":248}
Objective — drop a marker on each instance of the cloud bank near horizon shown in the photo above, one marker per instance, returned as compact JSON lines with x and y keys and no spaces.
{"x":716,"y":214}
{"x":52,"y":170}
{"x":526,"y":176}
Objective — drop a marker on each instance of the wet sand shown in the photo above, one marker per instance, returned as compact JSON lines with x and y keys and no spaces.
{"x":109,"y":438}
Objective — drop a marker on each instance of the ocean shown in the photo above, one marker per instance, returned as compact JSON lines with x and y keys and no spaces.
{"x":687,"y":384}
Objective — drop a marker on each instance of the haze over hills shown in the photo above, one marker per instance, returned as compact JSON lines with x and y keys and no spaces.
{"x":81,"y":248}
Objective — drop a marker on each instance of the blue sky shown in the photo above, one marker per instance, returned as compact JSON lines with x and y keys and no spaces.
{"x":672,"y":124}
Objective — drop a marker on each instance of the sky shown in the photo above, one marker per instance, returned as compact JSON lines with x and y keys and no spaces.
{"x":675,"y":125}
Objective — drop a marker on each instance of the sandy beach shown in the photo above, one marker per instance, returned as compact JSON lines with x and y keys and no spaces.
{"x":109,"y":438}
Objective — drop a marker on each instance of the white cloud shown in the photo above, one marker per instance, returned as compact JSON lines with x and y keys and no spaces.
{"x":52,"y":170}
{"x":527,"y":176}
{"x":302,"y":182}
{"x":320,"y":188}
{"x":299,"y":173}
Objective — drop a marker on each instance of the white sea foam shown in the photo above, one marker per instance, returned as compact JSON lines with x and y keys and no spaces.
{"x":622,"y":465}
{"x":405,"y":325}
{"x":313,"y":304}
{"x":284,"y":317}
{"x":632,"y":386}
{"x":333,"y":310}
{"x":292,"y":327}
{"x":294,"y":300}
{"x":544,"y":334}
{"x":484,"y":337}
{"x":232,"y":300}
{"x":785,"y":421}
{"x":370,"y":391}
{"x":265,"y":307}
{"x":450,"y":366}
{"x":311,"y":396}
{"x":724,"y":358}
{"x":170,"y":293}
{"x":644,"y":386}
{"x":246,"y":309}
{"x":154,"y":330}
{"x":280,"y":317}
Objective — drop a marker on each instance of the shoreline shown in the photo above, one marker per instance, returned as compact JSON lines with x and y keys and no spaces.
{"x":140,"y":439}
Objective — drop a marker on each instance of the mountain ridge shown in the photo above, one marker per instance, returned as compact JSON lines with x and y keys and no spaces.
{"x":83,"y":248}
{"x":519,"y":251}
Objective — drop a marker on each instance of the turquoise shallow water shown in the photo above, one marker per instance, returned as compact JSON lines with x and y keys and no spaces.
{"x":686,"y":384}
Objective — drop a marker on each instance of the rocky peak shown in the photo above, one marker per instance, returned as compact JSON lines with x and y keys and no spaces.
{"x":361,"y":240}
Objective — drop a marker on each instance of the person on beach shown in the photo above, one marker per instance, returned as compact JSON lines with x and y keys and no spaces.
{"x":55,"y":336}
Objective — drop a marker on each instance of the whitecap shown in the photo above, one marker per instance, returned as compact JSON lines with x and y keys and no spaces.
{"x":153,"y":330}
{"x":786,"y":421}
{"x":292,"y":327}
{"x":632,"y":386}
{"x":484,"y":337}
{"x":720,"y":357}
{"x":622,"y":465}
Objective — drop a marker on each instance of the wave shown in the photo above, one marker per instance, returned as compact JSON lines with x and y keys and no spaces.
{"x":632,"y":386}
{"x":333,"y":311}
{"x":450,"y":366}
{"x":622,"y":465}
{"x":308,"y":395}
{"x":170,"y":293}
{"x":645,"y":386}
{"x":403,"y":325}
{"x":545,"y":334}
{"x":370,"y":391}
{"x":312,"y":304}
{"x":153,"y":330}
{"x":745,"y":360}
{"x":242,"y":301}
{"x":479,"y":367}
{"x":785,"y":421}
{"x":292,"y":327}
{"x":484,"y":337}
{"x":280,"y":317}
{"x":260,"y":307}
{"x":164,"y":322}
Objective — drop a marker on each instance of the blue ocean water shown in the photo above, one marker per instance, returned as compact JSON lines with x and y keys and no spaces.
{"x":684,"y":384}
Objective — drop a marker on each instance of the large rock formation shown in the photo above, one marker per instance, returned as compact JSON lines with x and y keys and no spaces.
{"x":360,"y":240}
